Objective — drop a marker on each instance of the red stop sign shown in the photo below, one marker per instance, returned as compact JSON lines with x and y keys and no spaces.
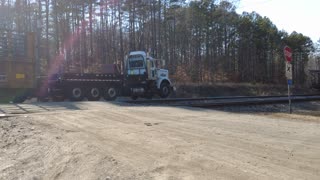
{"x":288,"y":53}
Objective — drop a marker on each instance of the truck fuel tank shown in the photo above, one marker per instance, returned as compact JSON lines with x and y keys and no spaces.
{"x":137,"y":91}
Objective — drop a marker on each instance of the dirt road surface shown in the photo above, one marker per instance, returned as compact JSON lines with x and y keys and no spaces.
{"x":100,"y":140}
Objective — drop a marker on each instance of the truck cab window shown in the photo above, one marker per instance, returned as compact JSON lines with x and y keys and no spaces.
{"x":136,"y":61}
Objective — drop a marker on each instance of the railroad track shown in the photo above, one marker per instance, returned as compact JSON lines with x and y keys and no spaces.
{"x":227,"y":101}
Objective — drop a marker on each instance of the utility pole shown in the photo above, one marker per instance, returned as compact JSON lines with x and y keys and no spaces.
{"x":288,"y":57}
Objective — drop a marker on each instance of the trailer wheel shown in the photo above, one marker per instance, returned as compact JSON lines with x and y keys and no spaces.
{"x":94,"y":94}
{"x":164,"y":90}
{"x":110,"y":94}
{"x":76,"y":94}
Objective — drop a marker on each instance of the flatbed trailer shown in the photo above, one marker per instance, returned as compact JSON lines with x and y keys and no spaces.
{"x":76,"y":87}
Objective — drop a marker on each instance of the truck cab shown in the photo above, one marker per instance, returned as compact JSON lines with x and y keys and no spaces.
{"x":145,"y":77}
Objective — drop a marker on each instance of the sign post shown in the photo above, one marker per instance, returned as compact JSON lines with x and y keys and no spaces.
{"x":288,"y":56}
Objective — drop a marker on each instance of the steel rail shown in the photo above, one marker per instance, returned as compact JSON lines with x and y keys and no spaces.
{"x":256,"y":101}
{"x":208,"y":98}
{"x":226,"y":101}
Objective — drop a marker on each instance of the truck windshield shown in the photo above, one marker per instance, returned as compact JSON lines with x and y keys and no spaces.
{"x":136,"y":61}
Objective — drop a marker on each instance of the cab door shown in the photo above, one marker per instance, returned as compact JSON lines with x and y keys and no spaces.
{"x":151,"y":69}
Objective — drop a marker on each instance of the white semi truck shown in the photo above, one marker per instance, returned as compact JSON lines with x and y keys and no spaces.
{"x":142,"y":77}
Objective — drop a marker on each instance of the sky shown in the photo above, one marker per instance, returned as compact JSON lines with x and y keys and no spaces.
{"x":302,"y":16}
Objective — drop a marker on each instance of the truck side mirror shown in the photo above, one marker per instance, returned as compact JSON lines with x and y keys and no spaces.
{"x":149,"y":69}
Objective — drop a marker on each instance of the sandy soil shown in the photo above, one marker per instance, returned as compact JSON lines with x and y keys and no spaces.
{"x":99,"y":140}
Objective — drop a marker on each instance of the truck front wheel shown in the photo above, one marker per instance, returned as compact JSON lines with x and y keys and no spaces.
{"x":110,"y":94}
{"x":164,"y":90}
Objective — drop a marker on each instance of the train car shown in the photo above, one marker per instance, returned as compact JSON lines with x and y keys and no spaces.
{"x":17,"y":65}
{"x":17,"y":60}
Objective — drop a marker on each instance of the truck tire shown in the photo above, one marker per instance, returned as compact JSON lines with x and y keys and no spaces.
{"x":94,"y":94}
{"x":76,"y":94}
{"x":164,"y":90}
{"x":110,"y":93}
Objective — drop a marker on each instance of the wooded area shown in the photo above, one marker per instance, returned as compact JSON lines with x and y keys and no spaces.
{"x":202,"y":41}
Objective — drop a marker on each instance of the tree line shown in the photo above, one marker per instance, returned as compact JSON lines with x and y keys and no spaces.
{"x":201,"y":40}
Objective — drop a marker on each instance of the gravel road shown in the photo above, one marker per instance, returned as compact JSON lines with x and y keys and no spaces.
{"x":100,"y":140}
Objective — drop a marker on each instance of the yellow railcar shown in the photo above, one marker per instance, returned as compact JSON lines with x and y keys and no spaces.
{"x":17,"y":60}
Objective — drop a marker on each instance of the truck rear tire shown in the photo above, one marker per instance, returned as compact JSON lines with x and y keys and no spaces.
{"x":94,"y":94}
{"x":110,"y":94}
{"x":76,"y":94}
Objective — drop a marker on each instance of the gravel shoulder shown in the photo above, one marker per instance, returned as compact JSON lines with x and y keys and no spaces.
{"x":99,"y":140}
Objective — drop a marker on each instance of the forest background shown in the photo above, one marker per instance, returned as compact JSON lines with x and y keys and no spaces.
{"x":202,"y":41}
